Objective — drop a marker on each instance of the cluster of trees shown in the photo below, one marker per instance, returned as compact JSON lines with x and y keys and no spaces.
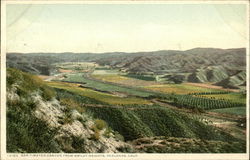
{"x":209,"y":93}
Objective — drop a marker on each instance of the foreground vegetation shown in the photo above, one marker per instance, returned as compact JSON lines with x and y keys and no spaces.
{"x":37,"y":124}
{"x":136,"y":120}
{"x":157,"y":121}
{"x":25,"y":132}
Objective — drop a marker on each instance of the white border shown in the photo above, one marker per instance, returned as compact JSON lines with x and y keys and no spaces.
{"x":3,"y":81}
{"x":8,"y":156}
{"x":248,"y":73}
{"x":126,"y":1}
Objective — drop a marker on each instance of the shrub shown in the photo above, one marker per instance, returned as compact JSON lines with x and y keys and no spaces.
{"x":67,"y":119}
{"x":118,"y":136}
{"x":96,"y":135}
{"x":100,"y":124}
{"x":72,"y":104}
{"x":81,"y":120}
{"x":78,"y":144}
{"x":146,"y":140}
{"x":48,"y":93}
{"x":97,"y":127}
{"x":107,"y":132}
{"x":125,"y":149}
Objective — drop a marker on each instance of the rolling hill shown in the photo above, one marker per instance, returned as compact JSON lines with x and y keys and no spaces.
{"x":224,"y":67}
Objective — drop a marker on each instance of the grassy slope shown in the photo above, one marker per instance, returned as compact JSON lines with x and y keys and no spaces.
{"x":62,"y":93}
{"x":157,"y":121}
{"x":26,"y":133}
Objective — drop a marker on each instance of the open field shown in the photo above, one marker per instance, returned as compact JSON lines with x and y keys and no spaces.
{"x":79,"y":78}
{"x":104,"y":97}
{"x":115,"y":76}
{"x":141,"y":77}
{"x":180,"y":88}
{"x":65,"y":70}
{"x":110,"y":77}
{"x":105,"y":72}
{"x":123,"y":80}
{"x":207,"y":85}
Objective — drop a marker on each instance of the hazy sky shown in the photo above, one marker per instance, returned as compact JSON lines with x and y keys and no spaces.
{"x":124,"y":27}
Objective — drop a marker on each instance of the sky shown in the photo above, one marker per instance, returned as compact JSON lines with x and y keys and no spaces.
{"x":101,"y":28}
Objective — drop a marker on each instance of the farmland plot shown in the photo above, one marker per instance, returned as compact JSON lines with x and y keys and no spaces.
{"x":103,"y":97}
{"x":80,"y":78}
{"x":179,"y":88}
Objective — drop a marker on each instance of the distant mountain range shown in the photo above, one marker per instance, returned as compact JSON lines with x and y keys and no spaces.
{"x":224,"y":67}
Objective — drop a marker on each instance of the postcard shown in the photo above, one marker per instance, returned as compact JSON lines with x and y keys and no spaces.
{"x":125,"y":80}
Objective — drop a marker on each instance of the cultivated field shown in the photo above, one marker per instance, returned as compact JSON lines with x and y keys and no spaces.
{"x":105,"y":83}
{"x":87,"y":82}
{"x":234,"y":97}
{"x":180,"y":88}
{"x":123,"y":80}
{"x":99,"y":96}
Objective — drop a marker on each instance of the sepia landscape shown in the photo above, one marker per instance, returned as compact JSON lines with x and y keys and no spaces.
{"x":163,"y":101}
